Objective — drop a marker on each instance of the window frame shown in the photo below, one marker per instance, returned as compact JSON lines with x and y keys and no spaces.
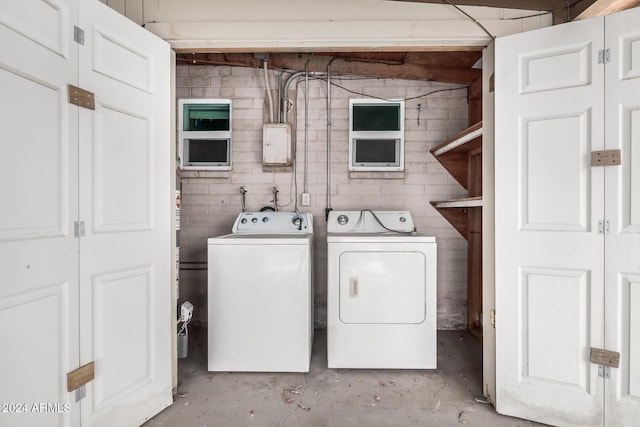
{"x":355,"y":136}
{"x":186,"y":136}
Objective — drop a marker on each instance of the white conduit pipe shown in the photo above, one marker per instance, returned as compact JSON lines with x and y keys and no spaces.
{"x":328,"y":140}
{"x":285,"y":95}
{"x":306,"y":127}
{"x":266,"y":81}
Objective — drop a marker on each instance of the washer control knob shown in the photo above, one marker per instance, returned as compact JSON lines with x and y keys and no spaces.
{"x":343,"y":219}
{"x":403,"y":219}
{"x":254,"y":220}
{"x":297,"y":221}
{"x":243,"y":220}
{"x":265,"y":219}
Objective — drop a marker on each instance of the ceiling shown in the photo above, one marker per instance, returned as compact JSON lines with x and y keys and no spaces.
{"x":449,"y":66}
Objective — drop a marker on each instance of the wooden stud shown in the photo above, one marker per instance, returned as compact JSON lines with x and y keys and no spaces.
{"x":81,"y":376}
{"x":605,"y":357}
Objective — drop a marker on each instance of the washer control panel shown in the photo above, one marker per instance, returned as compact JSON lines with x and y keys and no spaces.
{"x":269,"y":222}
{"x":368,"y":221}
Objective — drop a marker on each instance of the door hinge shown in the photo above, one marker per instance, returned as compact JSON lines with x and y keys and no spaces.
{"x":80,"y":97}
{"x":604,"y":371}
{"x":603,"y":227}
{"x":81,"y":393}
{"x":606,"y":158}
{"x":604,"y":56}
{"x":492,"y":317}
{"x":78,"y":35}
{"x":78,"y":229}
{"x":81,"y":376}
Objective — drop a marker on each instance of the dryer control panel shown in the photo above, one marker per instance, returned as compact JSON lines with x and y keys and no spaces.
{"x":269,"y":222}
{"x":368,"y":221}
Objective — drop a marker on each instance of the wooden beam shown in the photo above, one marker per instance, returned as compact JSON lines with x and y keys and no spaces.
{"x":297,"y":62}
{"x":606,"y":7}
{"x":546,"y":5}
{"x":325,"y":49}
{"x":568,"y":14}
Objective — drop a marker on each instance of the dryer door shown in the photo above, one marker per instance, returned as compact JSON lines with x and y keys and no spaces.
{"x":382,"y":287}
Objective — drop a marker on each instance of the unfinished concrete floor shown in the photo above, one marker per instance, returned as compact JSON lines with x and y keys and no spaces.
{"x":336,"y":397}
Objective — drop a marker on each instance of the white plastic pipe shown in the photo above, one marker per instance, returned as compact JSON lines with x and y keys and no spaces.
{"x":266,"y":81}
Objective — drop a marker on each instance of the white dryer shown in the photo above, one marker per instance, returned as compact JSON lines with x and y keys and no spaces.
{"x":381,"y":301}
{"x":260,"y":296}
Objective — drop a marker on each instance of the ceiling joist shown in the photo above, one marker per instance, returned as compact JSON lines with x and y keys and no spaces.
{"x":563,"y":10}
{"x":343,"y":64}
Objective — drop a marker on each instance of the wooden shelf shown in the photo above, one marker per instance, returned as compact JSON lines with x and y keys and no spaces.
{"x":454,"y":153}
{"x":464,"y":141}
{"x":465,"y":202}
{"x":462,"y":157}
{"x":456,"y":211}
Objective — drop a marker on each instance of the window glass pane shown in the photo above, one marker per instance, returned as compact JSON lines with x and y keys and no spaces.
{"x":208,"y":150}
{"x":376,"y":117}
{"x":376,"y":151}
{"x":206,"y":117}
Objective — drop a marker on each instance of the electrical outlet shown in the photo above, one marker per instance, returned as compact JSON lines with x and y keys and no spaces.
{"x":306,"y":199}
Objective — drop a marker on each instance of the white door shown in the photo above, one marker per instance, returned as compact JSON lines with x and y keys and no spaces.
{"x":126,"y":166}
{"x":38,"y":205}
{"x":549,"y":254}
{"x":622,"y":210}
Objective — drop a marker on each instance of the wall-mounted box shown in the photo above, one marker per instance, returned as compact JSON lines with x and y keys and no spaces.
{"x":276,"y":144}
{"x":204,"y":134}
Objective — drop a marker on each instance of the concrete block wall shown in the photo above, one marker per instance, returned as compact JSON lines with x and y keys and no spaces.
{"x":211,"y":200}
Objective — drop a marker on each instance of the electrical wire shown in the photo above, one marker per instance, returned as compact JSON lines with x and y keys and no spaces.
{"x":380,"y":222}
{"x":385,"y":99}
{"x":471,"y":18}
{"x":535,"y":15}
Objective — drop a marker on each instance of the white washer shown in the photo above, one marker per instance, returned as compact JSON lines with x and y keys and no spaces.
{"x":381,"y":301}
{"x":261,"y":294}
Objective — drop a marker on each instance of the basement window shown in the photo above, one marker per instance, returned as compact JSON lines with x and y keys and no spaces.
{"x":204,"y":135}
{"x":376,"y":135}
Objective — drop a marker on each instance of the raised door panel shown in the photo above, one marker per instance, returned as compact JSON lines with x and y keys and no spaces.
{"x":122,"y":180}
{"x":555,"y":184}
{"x":556,"y":334}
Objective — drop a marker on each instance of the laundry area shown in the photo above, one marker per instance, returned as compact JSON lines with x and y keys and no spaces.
{"x":450,"y":395}
{"x":320,"y":213}
{"x":388,"y":269}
